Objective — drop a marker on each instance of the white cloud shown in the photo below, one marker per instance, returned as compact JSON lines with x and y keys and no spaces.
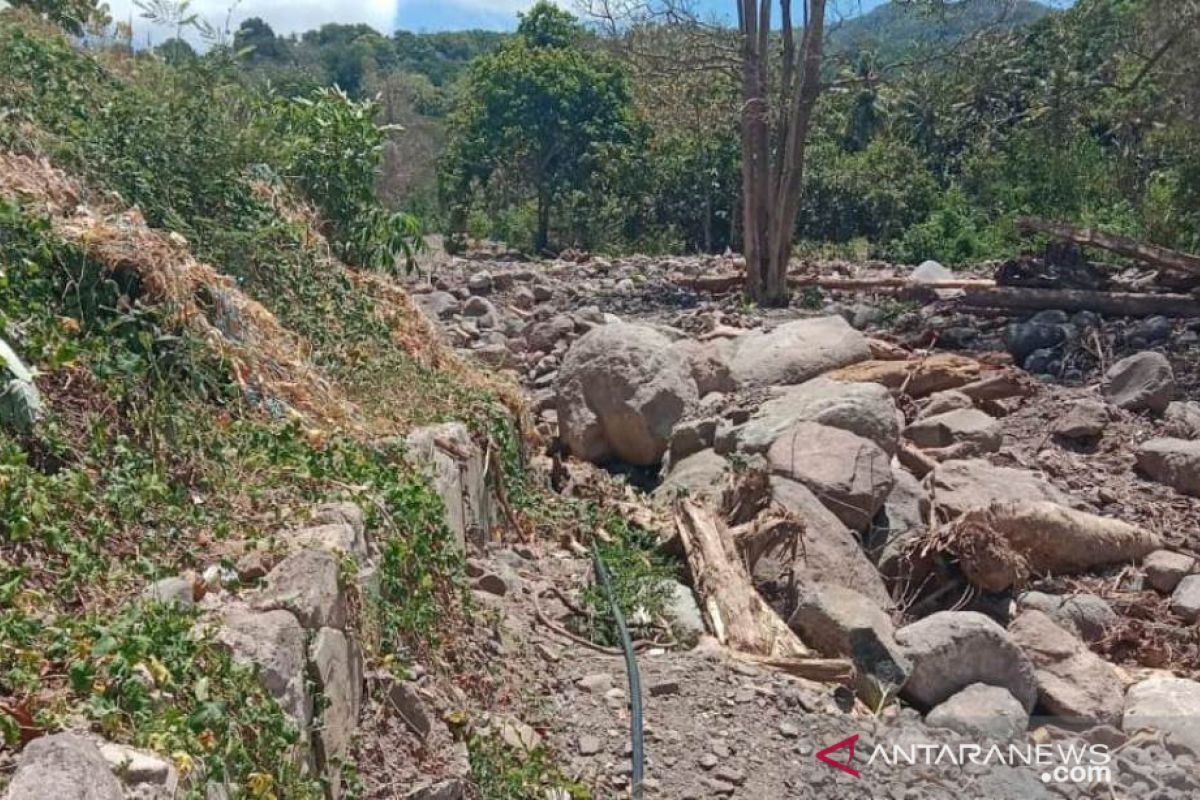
{"x":285,"y":16}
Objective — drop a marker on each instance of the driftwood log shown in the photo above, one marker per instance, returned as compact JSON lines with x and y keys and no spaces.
{"x":1151,"y":254}
{"x":737,"y":615}
{"x":889,"y":283}
{"x":1124,"y":304}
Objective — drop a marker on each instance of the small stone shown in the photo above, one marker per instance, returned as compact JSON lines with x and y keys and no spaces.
{"x":1086,"y":419}
{"x":405,"y":698}
{"x":492,"y":584}
{"x":731,"y":774}
{"x":588,"y":745}
{"x":664,"y":688}
{"x":179,"y":591}
{"x":708,"y":761}
{"x":595,"y":683}
{"x":1165,"y":569}
{"x":547,"y":652}
{"x":788,"y":730}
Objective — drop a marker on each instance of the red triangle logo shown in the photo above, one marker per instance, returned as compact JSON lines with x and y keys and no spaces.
{"x":823,"y":755}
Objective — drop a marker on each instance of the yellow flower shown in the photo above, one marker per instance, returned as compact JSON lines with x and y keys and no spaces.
{"x":183,"y":762}
{"x":260,"y":785}
{"x":162,"y":675}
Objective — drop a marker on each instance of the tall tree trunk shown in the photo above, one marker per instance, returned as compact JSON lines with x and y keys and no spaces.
{"x":542,"y":238}
{"x":772,"y":186}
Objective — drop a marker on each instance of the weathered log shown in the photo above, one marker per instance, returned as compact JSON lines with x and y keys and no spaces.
{"x":1112,"y":303}
{"x":1006,"y":544}
{"x":736,"y":614}
{"x":887,"y":284}
{"x":1151,"y":254}
{"x":916,"y":377}
{"x":1000,"y":385}
{"x":914,"y":459}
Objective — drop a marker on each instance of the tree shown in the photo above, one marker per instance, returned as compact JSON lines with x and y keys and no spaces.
{"x":536,"y":115}
{"x":72,"y":15}
{"x":258,"y":38}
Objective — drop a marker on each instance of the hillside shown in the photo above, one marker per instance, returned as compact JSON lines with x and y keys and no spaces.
{"x":894,"y":29}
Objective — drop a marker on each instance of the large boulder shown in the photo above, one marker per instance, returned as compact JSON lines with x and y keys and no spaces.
{"x":851,"y":475}
{"x":1167,"y":704}
{"x":827,"y":553}
{"x":338,"y":668}
{"x":864,"y":409}
{"x":838,"y":621}
{"x":983,"y":712}
{"x":63,"y":766}
{"x":974,"y":430}
{"x":1183,"y":419}
{"x":1074,"y":684}
{"x":1144,"y":381}
{"x":621,"y":389}
{"x":796,"y":352}
{"x":1174,"y":462}
{"x":951,"y":650}
{"x":904,"y":519}
{"x":961,"y":485}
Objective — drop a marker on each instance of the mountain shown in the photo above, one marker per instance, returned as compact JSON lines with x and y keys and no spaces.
{"x":894,"y":29}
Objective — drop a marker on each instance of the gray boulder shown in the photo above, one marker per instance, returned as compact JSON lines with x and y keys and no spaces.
{"x":621,"y":390}
{"x":455,"y":464}
{"x":437,"y":305}
{"x":796,"y":352}
{"x":850,"y":475}
{"x":941,"y":402}
{"x":176,"y":590}
{"x":306,"y":584}
{"x":975,"y":430}
{"x":1167,"y":704}
{"x":838,"y":621}
{"x":338,"y":667}
{"x":1085,"y":419}
{"x":1074,"y":684}
{"x":274,"y":643}
{"x":904,"y":517}
{"x":1183,"y":419}
{"x":864,"y":409}
{"x":960,"y":485}
{"x":981,"y":711}
{"x":63,"y":766}
{"x":1185,"y":600}
{"x":950,"y":650}
{"x":1143,"y":381}
{"x":692,"y":436}
{"x":930,"y":271}
{"x":1173,"y":462}
{"x":827,"y":553}
{"x":542,"y":336}
{"x":684,"y":612}
{"x":700,"y":474}
{"x":1166,"y":568}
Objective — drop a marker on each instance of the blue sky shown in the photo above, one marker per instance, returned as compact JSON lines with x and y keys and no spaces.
{"x":294,"y":16}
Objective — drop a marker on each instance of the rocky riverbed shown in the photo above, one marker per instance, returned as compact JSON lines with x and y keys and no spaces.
{"x":1005,"y":554}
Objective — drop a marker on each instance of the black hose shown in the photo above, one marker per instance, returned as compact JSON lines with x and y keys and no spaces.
{"x":631,"y":669}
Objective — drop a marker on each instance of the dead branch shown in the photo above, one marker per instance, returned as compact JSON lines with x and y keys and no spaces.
{"x":1113,"y":303}
{"x":736,"y":614}
{"x":1151,"y":254}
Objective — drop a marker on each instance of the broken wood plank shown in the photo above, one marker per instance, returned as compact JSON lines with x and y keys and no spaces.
{"x":736,"y":614}
{"x":1152,"y":254}
{"x":1122,"y":304}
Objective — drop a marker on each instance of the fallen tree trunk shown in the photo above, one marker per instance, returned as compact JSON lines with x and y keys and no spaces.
{"x":891,"y":283}
{"x":1125,"y":304}
{"x":1006,"y":544}
{"x":736,"y":614}
{"x":1151,"y":254}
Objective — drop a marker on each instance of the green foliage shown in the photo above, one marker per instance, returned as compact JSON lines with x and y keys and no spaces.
{"x":501,"y":773}
{"x":335,"y":150}
{"x":72,"y":15}
{"x":640,"y":580}
{"x":535,"y":119}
